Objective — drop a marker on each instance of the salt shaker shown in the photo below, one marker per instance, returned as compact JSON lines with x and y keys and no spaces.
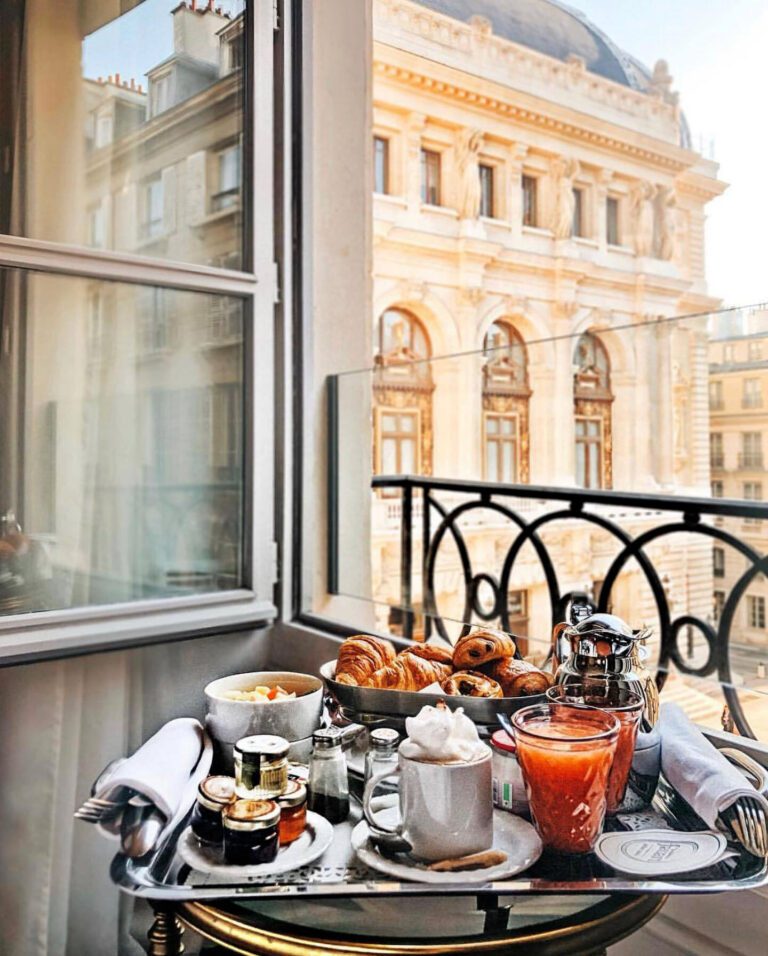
{"x":328,"y":784}
{"x":382,"y":752}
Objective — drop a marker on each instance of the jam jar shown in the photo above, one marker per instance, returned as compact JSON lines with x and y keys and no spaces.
{"x":250,"y":832}
{"x":293,"y":812}
{"x":213,"y":794}
{"x":261,"y":766}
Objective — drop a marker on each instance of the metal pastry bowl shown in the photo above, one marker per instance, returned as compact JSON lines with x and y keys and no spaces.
{"x":373,"y":701}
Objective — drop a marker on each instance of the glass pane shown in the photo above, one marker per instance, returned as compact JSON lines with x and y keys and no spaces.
{"x":131,"y":135}
{"x":581,"y":469}
{"x":508,"y":461}
{"x":508,"y":426}
{"x":388,"y":423}
{"x":491,"y":426}
{"x":121,"y":459}
{"x":407,"y":423}
{"x":408,"y":459}
{"x":389,"y":456}
{"x":491,"y":461}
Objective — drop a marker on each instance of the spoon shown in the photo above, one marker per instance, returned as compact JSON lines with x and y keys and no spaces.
{"x":140,"y":839}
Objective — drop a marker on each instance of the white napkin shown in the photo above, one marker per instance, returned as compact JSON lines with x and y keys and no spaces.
{"x":163,"y":769}
{"x":701,"y":775}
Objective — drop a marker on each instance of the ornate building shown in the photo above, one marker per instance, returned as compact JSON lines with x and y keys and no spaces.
{"x":537,"y":208}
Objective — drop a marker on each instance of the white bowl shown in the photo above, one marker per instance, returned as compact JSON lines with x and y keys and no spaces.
{"x":296,"y":719}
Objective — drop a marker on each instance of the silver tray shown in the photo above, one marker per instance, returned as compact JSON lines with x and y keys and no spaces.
{"x":372,"y":701}
{"x":163,"y":874}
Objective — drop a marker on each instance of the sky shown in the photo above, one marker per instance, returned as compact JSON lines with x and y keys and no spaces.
{"x":717,"y":51}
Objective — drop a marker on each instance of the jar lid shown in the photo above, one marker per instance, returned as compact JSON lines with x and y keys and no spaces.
{"x":660,"y":852}
{"x":216,"y":792}
{"x":267,"y":744}
{"x":502,"y":741}
{"x":326,"y":738}
{"x":250,"y":814}
{"x":294,"y":795}
{"x":384,"y":737}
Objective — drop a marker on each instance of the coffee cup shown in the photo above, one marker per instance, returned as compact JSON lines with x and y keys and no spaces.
{"x":446,"y":806}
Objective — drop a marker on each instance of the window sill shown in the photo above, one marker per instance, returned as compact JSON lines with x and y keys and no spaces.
{"x":586,"y":241}
{"x":50,"y":634}
{"x":537,"y":231}
{"x":439,"y":210}
{"x":219,"y":215}
{"x":621,"y":250}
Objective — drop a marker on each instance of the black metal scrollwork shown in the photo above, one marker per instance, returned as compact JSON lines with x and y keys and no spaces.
{"x":486,"y":496}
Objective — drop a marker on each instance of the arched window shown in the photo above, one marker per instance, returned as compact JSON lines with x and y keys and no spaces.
{"x":402,"y":392}
{"x":505,"y":405}
{"x":592,"y":399}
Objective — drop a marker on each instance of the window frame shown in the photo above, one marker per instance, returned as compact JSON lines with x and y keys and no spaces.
{"x":386,"y":159}
{"x":487,"y":173}
{"x":427,"y":155}
{"x":613,"y":202}
{"x":533,"y":181}
{"x":500,"y":439}
{"x":50,"y":634}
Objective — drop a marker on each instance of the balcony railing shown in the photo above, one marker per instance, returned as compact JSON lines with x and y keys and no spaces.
{"x":439,"y":525}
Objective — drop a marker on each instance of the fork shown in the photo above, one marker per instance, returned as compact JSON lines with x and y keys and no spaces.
{"x":746,"y":819}
{"x":94,"y":809}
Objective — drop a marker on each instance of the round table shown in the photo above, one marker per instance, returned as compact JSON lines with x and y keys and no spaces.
{"x":537,"y":925}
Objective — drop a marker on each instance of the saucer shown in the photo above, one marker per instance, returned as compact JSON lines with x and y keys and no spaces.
{"x":511,"y":834}
{"x":312,"y":843}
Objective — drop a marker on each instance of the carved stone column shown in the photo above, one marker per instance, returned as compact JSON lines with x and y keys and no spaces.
{"x":663,"y":444}
{"x":515,"y":199}
{"x":412,"y":161}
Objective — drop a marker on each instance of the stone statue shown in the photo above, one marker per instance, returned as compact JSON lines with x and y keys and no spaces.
{"x":564,"y":171}
{"x":641,"y":198}
{"x":667,"y":222}
{"x":468,"y":148}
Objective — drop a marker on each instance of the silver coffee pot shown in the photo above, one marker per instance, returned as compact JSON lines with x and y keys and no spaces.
{"x":600,"y":644}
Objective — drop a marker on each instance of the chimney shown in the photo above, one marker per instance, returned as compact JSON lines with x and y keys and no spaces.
{"x":193,"y":5}
{"x":210,"y":5}
{"x":133,"y":83}
{"x":110,"y":79}
{"x":117,"y":79}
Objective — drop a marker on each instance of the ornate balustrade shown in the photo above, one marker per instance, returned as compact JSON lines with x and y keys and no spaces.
{"x":439,"y":524}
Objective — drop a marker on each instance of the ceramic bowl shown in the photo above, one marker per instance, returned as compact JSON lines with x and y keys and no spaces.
{"x":229,"y":720}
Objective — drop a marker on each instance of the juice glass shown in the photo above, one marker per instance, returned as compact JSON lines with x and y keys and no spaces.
{"x":565,"y":753}
{"x":614,"y":697}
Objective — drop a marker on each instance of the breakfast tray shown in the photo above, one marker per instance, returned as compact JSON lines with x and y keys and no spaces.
{"x":164,"y":875}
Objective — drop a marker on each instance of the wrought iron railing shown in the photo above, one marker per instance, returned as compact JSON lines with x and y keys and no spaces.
{"x":439,"y":523}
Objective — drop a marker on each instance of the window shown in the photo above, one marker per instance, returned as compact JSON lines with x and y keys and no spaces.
{"x":589,"y":453}
{"x":517,"y":606}
{"x":97,"y":226}
{"x":152,"y":210}
{"x":718,"y":562}
{"x":501,"y":448}
{"x":592,"y":397}
{"x":430,"y":177}
{"x":612,"y":234}
{"x":228,"y":178}
{"x":717,"y":489}
{"x":235,"y":51}
{"x":751,"y":450}
{"x":752,"y":395}
{"x":103,"y":130}
{"x":530,"y":200}
{"x":159,"y":93}
{"x":487,"y":197}
{"x":718,"y":603}
{"x":752,"y":491}
{"x":380,"y":165}
{"x":755,"y":351}
{"x":729,"y":353}
{"x":716,"y":450}
{"x":756,"y":611}
{"x":716,"y":396}
{"x":579,"y":213}
{"x":399,"y":443}
{"x":132,"y":463}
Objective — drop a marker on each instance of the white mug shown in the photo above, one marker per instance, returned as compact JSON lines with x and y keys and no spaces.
{"x":446,"y":809}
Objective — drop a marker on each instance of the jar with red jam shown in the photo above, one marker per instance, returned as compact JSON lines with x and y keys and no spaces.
{"x":250,"y":832}
{"x":213,"y":794}
{"x":293,"y":812}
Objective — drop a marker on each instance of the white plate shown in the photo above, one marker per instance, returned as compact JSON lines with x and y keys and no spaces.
{"x":511,"y":834}
{"x":660,"y":852}
{"x":312,"y":843}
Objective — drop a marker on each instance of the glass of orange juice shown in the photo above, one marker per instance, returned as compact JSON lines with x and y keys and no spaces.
{"x":565,"y":753}
{"x":613,"y":696}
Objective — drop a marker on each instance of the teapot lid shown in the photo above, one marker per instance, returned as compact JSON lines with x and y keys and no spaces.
{"x":607,"y":626}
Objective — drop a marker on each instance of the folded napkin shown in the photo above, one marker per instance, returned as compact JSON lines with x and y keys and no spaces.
{"x":699,"y":773}
{"x":167,"y":768}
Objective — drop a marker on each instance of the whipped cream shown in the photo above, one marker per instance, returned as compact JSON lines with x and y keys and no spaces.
{"x":440,"y":734}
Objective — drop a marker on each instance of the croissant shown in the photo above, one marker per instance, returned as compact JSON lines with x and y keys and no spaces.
{"x":431,"y":652}
{"x":518,"y":678}
{"x":479,"y":648}
{"x":360,"y":656}
{"x":408,"y":672}
{"x":471,"y":684}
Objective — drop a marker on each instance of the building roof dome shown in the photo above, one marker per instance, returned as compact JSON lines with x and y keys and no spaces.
{"x":552,"y":28}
